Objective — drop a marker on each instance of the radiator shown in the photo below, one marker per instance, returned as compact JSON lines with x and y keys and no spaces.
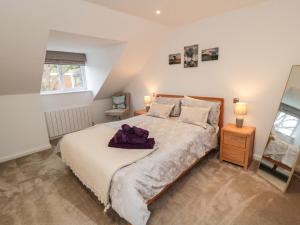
{"x":68,"y":120}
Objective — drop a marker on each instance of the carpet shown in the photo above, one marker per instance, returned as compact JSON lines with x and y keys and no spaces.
{"x":40,"y":190}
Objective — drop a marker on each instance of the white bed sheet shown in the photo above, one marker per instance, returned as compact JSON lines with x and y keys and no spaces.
{"x":179,"y":145}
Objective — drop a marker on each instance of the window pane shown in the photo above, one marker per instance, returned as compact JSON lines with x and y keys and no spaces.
{"x":72,"y":76}
{"x":50,"y":79}
{"x":285,"y":123}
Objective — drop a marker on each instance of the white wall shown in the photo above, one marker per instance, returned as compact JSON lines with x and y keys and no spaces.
{"x":22,"y":129}
{"x":98,"y":107}
{"x":258,"y":45}
{"x":54,"y":102}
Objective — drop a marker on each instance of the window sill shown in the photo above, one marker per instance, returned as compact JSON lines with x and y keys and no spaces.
{"x":63,"y":92}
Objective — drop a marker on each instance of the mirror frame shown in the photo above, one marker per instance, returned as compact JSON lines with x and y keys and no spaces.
{"x":297,"y":157}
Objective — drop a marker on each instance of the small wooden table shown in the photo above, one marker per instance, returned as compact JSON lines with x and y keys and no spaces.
{"x":237,"y":144}
{"x":139,"y":112}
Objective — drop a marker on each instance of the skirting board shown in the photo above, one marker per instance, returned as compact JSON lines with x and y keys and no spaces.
{"x":28,"y":152}
{"x":258,"y":158}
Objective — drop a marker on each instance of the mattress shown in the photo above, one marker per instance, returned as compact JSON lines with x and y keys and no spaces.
{"x":178,"y":146}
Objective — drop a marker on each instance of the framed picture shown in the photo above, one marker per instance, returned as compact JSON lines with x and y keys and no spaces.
{"x":210,"y":54}
{"x":191,"y":56}
{"x":174,"y":59}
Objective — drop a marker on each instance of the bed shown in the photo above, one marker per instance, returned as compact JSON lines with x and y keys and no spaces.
{"x":137,"y":183}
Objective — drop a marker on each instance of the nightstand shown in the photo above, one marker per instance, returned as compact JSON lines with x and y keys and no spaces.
{"x":237,"y":144}
{"x":139,"y":112}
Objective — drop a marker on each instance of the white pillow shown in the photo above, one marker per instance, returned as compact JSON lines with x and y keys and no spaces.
{"x":160,"y":110}
{"x":195,"y":115}
{"x":213,"y":116}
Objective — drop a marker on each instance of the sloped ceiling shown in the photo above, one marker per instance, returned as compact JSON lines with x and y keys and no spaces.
{"x":175,"y":12}
{"x":25,"y":26}
{"x":22,"y":47}
{"x":129,"y":64}
{"x":63,"y":41}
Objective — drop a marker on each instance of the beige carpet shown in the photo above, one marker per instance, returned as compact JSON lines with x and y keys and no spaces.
{"x":40,"y":190}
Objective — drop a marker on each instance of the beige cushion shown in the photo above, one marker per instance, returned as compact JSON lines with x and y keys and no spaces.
{"x":170,"y":101}
{"x":213,"y":116}
{"x":160,"y":110}
{"x":194,"y":115}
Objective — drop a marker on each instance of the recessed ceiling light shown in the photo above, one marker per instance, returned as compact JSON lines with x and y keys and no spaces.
{"x":157,"y":12}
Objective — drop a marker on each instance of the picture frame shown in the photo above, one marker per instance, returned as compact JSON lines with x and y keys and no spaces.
{"x":210,"y":54}
{"x":175,"y":59}
{"x":191,"y":56}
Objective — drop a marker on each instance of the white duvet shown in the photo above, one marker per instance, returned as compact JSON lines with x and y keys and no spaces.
{"x":178,"y":146}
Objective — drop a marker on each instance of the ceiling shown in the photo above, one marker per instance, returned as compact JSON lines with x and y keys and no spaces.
{"x":175,"y":12}
{"x":68,"y":42}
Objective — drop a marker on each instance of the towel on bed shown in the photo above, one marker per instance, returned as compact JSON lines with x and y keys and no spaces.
{"x":131,"y":138}
{"x":131,"y":135}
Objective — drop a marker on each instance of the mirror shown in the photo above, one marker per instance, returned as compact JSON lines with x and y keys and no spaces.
{"x":280,"y":156}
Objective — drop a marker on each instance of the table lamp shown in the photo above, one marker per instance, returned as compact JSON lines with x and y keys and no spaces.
{"x":240,"y":110}
{"x":147,"y":102}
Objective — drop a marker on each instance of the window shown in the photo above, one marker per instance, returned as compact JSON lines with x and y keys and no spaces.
{"x":63,"y":72}
{"x":63,"y":78}
{"x":286,"y":124}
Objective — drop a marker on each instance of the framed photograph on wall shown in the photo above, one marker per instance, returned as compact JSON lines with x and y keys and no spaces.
{"x":174,"y":59}
{"x":210,"y":54}
{"x":191,"y":56}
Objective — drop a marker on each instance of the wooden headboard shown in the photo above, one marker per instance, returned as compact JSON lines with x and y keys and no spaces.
{"x":212,"y":99}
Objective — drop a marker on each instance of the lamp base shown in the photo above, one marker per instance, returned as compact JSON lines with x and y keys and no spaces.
{"x":239,"y":122}
{"x":147,"y":108}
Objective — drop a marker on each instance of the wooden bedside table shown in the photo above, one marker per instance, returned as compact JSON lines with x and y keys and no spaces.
{"x":139,"y":112}
{"x":237,"y":144}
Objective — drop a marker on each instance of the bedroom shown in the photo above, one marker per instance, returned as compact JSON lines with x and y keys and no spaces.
{"x":127,"y":47}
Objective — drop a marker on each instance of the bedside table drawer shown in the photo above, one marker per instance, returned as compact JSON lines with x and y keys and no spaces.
{"x":235,"y":140}
{"x":233,"y":154}
{"x":237,"y":144}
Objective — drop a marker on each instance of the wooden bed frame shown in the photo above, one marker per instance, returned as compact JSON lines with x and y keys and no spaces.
{"x":221,"y":122}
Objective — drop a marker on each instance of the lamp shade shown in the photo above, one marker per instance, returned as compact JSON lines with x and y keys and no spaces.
{"x":240,"y":108}
{"x":147,"y":100}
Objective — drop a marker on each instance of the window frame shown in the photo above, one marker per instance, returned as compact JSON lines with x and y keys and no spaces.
{"x":64,"y":90}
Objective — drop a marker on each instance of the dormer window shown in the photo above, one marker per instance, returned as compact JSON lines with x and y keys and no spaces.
{"x":63,"y":72}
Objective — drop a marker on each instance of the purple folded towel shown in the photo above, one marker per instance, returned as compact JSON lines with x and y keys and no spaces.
{"x":135,"y":130}
{"x":148,"y":145}
{"x":131,"y":137}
